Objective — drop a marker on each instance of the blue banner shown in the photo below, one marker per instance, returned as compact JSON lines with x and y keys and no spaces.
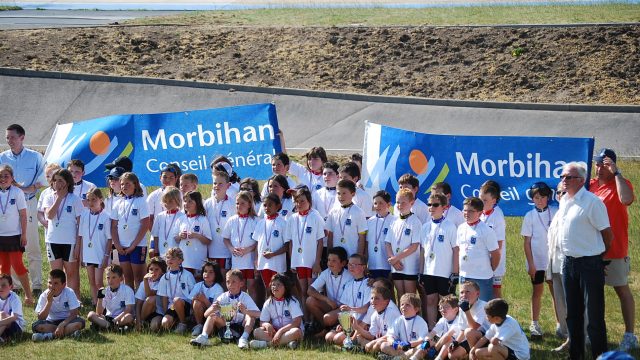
{"x":247,"y":135}
{"x":466,"y":162}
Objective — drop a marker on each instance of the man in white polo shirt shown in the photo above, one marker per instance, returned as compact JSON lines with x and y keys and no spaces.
{"x":585,"y":235}
{"x":28,"y":170}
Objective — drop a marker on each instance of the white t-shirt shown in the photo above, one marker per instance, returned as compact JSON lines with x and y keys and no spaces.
{"x":80,"y":190}
{"x":243,"y":297}
{"x":218,"y":213}
{"x":11,"y":201}
{"x":410,"y":330}
{"x":402,"y":234}
{"x":334,"y":284}
{"x":378,"y":228}
{"x":312,"y":181}
{"x":478,"y":315}
{"x":356,"y":293}
{"x":510,"y":335}
{"x":193,"y":250}
{"x":110,"y":203}
{"x":240,"y":231}
{"x":129,"y":213}
{"x":280,"y":313}
{"x":438,"y":241}
{"x":116,"y":302}
{"x":43,"y":195}
{"x":142,"y":295}
{"x":63,"y":227}
{"x":324,"y":200}
{"x":496,"y":221}
{"x":95,"y":231}
{"x":12,"y":305}
{"x":455,"y":215}
{"x":419,"y":208}
{"x":285,"y":211}
{"x":154,"y":202}
{"x":176,"y":285}
{"x":347,"y":224}
{"x":382,"y":322}
{"x":476,"y":243}
{"x":211,"y":293}
{"x":364,"y":202}
{"x":304,"y":232}
{"x":536,"y":225}
{"x":270,"y":236}
{"x":166,"y":227}
{"x":443,"y":326}
{"x":62,"y":304}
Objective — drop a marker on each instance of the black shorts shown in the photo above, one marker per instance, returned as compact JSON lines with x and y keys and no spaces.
{"x":152,"y":316}
{"x":187,"y":311}
{"x":11,"y":331}
{"x":511,"y":355}
{"x":400,"y":276}
{"x":59,"y":251}
{"x":538,"y":278}
{"x":435,"y":284}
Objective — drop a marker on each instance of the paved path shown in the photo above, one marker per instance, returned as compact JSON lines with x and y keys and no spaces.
{"x":32,"y":19}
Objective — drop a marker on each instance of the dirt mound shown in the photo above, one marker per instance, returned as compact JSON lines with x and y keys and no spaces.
{"x":595,"y":65}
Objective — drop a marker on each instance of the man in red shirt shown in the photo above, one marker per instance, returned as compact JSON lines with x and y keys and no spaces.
{"x":617,"y":193}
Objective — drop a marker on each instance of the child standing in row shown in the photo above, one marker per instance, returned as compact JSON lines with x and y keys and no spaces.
{"x":166,"y":225}
{"x":419,"y":208}
{"x":237,"y":235}
{"x":402,"y":244}
{"x":535,"y":227}
{"x":188,"y":182}
{"x":129,"y":226}
{"x":347,"y":224}
{"x":95,"y":236}
{"x":13,"y":229}
{"x":278,"y":185}
{"x":479,"y":249}
{"x":305,"y":231}
{"x":63,"y":209}
{"x":270,"y":235}
{"x":310,"y":174}
{"x":81,"y":186}
{"x":281,"y":317}
{"x":219,"y":210}
{"x":493,"y":216}
{"x":378,"y":226}
{"x":279,"y":166}
{"x":195,"y":233}
{"x":351,"y":172}
{"x":451,"y":212}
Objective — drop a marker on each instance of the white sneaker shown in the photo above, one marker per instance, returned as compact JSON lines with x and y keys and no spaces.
{"x":293,"y":345}
{"x":37,"y":337}
{"x":535,"y":329}
{"x":201,"y":340}
{"x":180,"y":328}
{"x":197,"y":330}
{"x":256,"y":344}
{"x":243,"y":343}
{"x":559,"y":333}
{"x":629,"y":342}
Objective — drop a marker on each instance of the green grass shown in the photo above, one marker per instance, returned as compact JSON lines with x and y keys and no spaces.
{"x":482,"y":15}
{"x":516,"y":289}
{"x":9,"y":7}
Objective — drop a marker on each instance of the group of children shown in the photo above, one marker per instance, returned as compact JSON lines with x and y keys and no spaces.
{"x":318,"y":249}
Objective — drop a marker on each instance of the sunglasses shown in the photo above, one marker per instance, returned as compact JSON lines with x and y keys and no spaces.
{"x":569,"y":177}
{"x":433,"y":205}
{"x":561,"y":192}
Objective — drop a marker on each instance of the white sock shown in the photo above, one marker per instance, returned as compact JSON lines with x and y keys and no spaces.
{"x":245,"y":335}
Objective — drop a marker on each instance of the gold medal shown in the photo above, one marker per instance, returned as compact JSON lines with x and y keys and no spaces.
{"x":432,"y":255}
{"x":397,"y":250}
{"x":343,"y":240}
{"x":125,"y":226}
{"x":165,"y":244}
{"x":300,"y":250}
{"x":188,"y":242}
{"x":375,"y":249}
{"x":218,"y":230}
{"x":90,"y":245}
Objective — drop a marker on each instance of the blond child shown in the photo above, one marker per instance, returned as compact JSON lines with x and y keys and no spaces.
{"x":115,"y":307}
{"x":382,"y":318}
{"x":188,"y":183}
{"x":174,"y":288}
{"x":220,"y":208}
{"x":166,"y":228}
{"x":419,"y":208}
{"x":408,"y":331}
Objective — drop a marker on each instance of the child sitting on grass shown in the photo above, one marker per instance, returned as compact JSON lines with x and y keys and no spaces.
{"x":115,"y":307}
{"x":407,"y":332}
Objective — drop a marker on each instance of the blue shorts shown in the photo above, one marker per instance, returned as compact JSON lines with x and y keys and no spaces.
{"x":137,"y":256}
{"x":486,"y":287}
{"x":374,"y":274}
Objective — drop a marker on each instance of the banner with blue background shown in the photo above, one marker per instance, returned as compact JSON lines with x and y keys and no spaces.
{"x":466,"y":162}
{"x":247,"y":135}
